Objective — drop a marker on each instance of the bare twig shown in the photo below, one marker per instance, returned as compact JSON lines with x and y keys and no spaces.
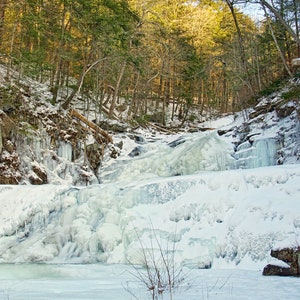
{"x":159,"y":273}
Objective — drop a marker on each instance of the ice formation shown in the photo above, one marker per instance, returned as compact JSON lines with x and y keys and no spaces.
{"x":210,"y":217}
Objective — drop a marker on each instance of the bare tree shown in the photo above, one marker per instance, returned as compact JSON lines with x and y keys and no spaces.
{"x":230,"y":4}
{"x":278,"y":47}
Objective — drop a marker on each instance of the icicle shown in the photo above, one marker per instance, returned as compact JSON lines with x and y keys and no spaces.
{"x":65,"y":150}
{"x":261,"y":154}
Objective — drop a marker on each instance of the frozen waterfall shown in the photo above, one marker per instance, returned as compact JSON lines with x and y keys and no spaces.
{"x":65,"y":150}
{"x":260,"y":153}
{"x":215,"y":202}
{"x":211,"y":218}
{"x":190,"y":154}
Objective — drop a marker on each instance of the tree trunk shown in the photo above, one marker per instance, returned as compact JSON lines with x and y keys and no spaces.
{"x":296,"y":15}
{"x":277,"y":46}
{"x":241,"y":45}
{"x":56,"y":80}
{"x":117,"y":88}
{"x":92,"y":125}
{"x":134,"y":99}
{"x":3,"y":4}
{"x":11,"y":46}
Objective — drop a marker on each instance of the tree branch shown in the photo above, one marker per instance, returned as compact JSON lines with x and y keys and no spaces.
{"x":66,"y":104}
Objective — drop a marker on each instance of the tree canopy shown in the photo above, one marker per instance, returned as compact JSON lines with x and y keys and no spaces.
{"x":205,"y":54}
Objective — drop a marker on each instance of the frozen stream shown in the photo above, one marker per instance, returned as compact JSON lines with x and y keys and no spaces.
{"x":79,"y":282}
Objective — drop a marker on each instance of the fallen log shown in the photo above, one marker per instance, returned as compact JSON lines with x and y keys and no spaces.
{"x":76,"y":114}
{"x":160,"y":128}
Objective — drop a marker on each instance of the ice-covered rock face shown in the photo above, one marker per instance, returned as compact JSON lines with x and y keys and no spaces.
{"x":260,"y":153}
{"x":233,"y":217}
{"x":190,"y":154}
{"x":193,"y":153}
{"x":65,"y":150}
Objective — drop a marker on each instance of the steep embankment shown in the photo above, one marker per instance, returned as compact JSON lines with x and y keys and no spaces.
{"x":41,"y":143}
{"x":271,"y":127}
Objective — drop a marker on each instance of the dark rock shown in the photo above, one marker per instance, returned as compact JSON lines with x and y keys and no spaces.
{"x":286,"y":254}
{"x":262,"y":109}
{"x":39,"y":175}
{"x":223,"y":131}
{"x":137,"y":151}
{"x":120,"y":145}
{"x":176,"y":143}
{"x":35,"y":180}
{"x":139,"y":139}
{"x":94,"y":154}
{"x":291,"y":256}
{"x":284,"y":111}
{"x":114,"y":151}
{"x":277,"y":270}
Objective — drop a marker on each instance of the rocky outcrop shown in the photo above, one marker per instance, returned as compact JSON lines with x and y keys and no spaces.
{"x":94,"y":154}
{"x":291,"y":256}
{"x":32,"y":140}
{"x":38,"y":175}
{"x":9,"y":159}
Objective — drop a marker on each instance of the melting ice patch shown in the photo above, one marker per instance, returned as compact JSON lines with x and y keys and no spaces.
{"x":232,"y":217}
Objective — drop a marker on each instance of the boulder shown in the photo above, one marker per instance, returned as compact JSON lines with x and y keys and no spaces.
{"x":41,"y":175}
{"x":137,"y":151}
{"x":94,"y":154}
{"x":291,"y":256}
{"x":278,"y":271}
{"x":285,"y":110}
